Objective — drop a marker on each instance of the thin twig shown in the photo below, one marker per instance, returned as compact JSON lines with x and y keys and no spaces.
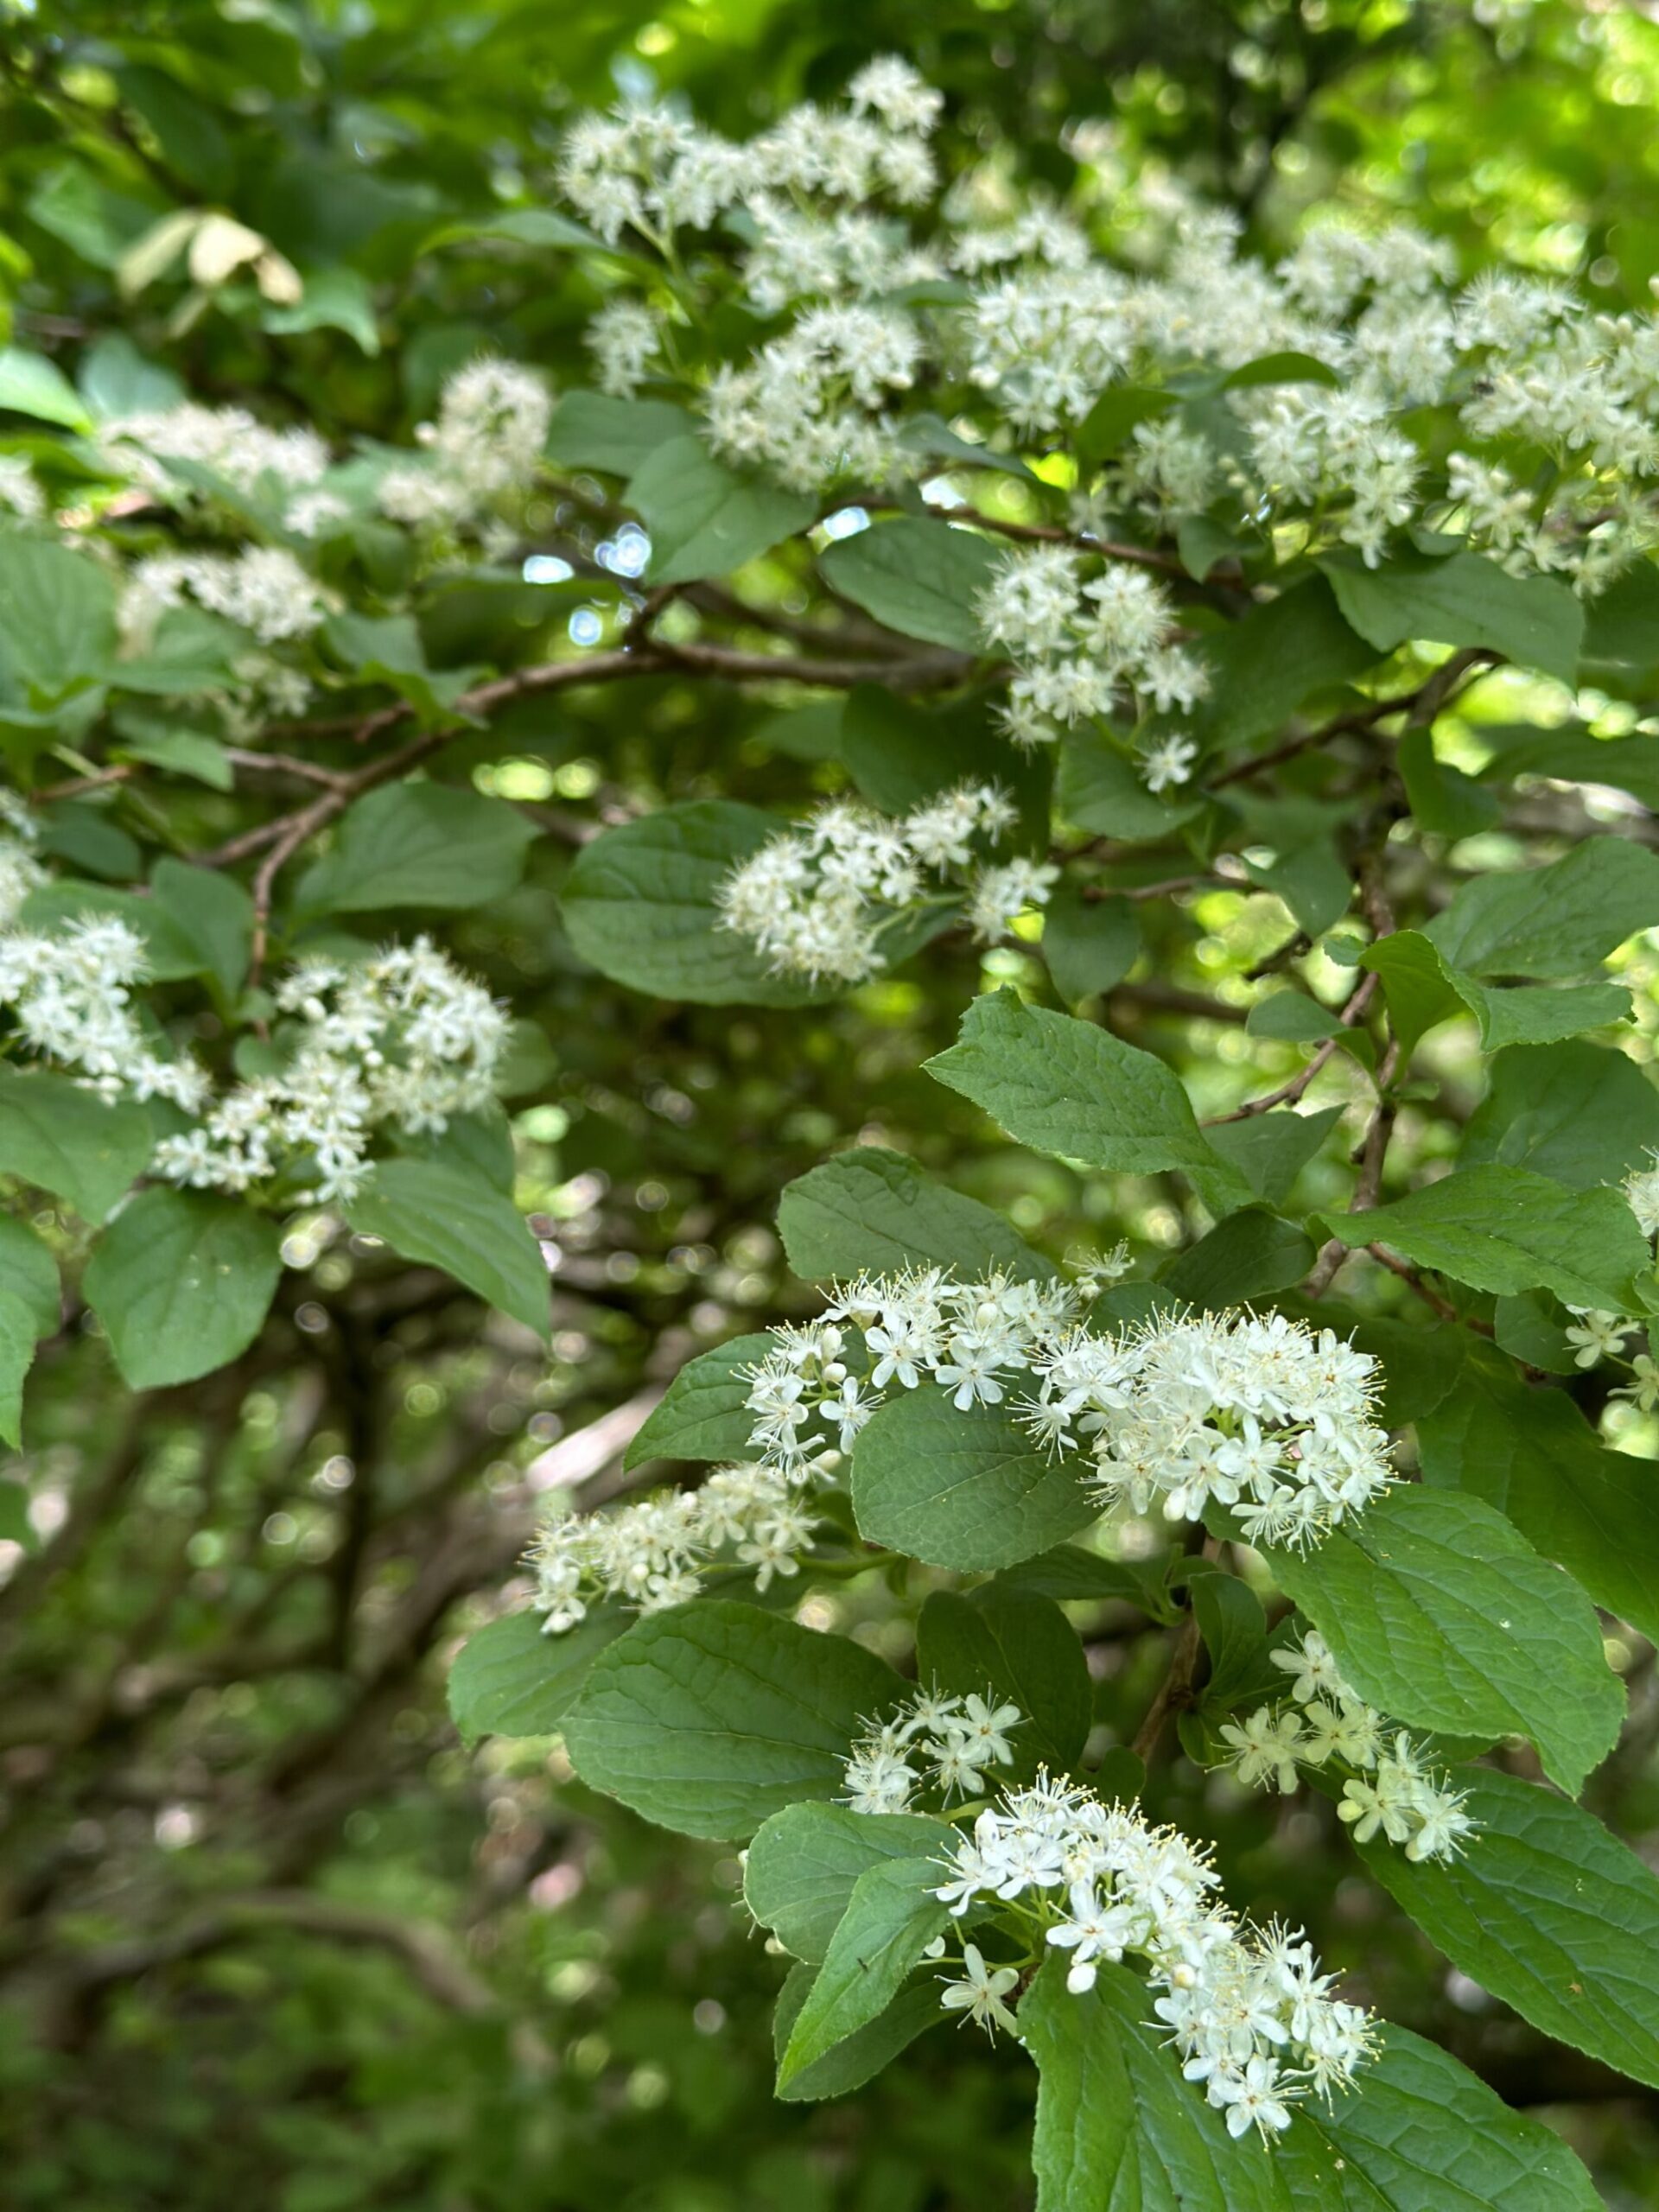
{"x":1174,"y":1692}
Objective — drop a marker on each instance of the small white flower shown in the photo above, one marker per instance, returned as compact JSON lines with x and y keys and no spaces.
{"x":979,"y":1992}
{"x":1168,"y":763}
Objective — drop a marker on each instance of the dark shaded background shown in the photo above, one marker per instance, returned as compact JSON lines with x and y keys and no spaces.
{"x":274,"y":1939}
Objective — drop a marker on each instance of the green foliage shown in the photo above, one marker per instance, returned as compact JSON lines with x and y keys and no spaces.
{"x":920,"y":578}
{"x":1352,"y":1020}
{"x":708,"y":1719}
{"x":1553,"y":1916}
{"x":967,"y":1491}
{"x":181,"y":1284}
{"x":1442,"y":1615}
{"x":1066,"y":1087}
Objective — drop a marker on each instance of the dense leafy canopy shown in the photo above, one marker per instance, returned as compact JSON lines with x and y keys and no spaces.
{"x":599,"y":757}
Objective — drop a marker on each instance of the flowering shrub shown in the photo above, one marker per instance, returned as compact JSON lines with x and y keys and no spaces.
{"x":1103,"y":579}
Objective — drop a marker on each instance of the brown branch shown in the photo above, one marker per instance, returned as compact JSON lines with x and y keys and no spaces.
{"x":1420,"y":706}
{"x":1049,"y":533}
{"x":1174,"y":1692}
{"x":1288,"y":1093}
{"x":1441,"y":1307}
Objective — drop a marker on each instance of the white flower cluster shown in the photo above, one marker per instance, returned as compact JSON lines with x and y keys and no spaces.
{"x":263,"y":588}
{"x":651,"y":1555}
{"x":816,"y":900}
{"x":485,"y":446}
{"x":811,"y":404}
{"x":649,"y":169}
{"x":19,"y":492}
{"x":932,"y":1740}
{"x":1392,"y":1790}
{"x":19,"y":869}
{"x":1049,"y":324}
{"x":1079,"y":648}
{"x":1248,"y":2011}
{"x":243,"y":452}
{"x":1261,"y":1414}
{"x":70,"y":994}
{"x":1642,"y":1191}
{"x":402,"y":1037}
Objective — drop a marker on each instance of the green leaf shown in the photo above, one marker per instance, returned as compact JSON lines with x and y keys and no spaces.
{"x":69,"y":1141}
{"x":418,"y":844}
{"x":1114,"y":414}
{"x":17,"y":1338}
{"x":1507,"y":1229}
{"x":32,"y":385}
{"x":1250,"y":1254}
{"x":1440,"y":1612}
{"x":930,"y":434}
{"x":1265,"y":665}
{"x":1310,"y":879}
{"x":1089,"y":944}
{"x":891,"y":1918}
{"x":182,"y":753}
{"x":1531,"y":1453}
{"x":82,"y":832}
{"x":335,"y":298}
{"x":1465,"y":599}
{"x":16,"y":1527}
{"x":1443,"y":800}
{"x":454,"y":1218}
{"x":212,"y":914}
{"x":389,"y":648}
{"x":1270,"y":1150}
{"x":1533,"y":1325}
{"x":1235,"y":1633}
{"x":799,"y":1871}
{"x":477,"y":1143}
{"x":1621,"y":624}
{"x":1071,"y":1572}
{"x":869,"y":1209}
{"x":1579,"y":1113}
{"x":1292,"y":1017}
{"x":961,"y":1490}
{"x":1286,"y":367}
{"x":1117,"y":2128}
{"x":1558,"y":920}
{"x":923,"y":578}
{"x":1572,"y":755}
{"x":116,"y":378}
{"x":532,"y":226}
{"x":57,"y":615}
{"x":512,"y":1679}
{"x":640,"y":906}
{"x":1550,"y":1913}
{"x":703,"y":518}
{"x":29,"y":1271}
{"x":1422,"y":990}
{"x":710,"y":1718}
{"x":863,"y":2054}
{"x":1064,"y":1087}
{"x":591,"y":429}
{"x":1023,"y":1648}
{"x":1204,"y":544}
{"x":1418,"y":2132}
{"x":182,"y":1283}
{"x":167,"y":953}
{"x":1098,"y":789}
{"x":901,"y":753}
{"x":704,"y":1414}
{"x":192,"y":652}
